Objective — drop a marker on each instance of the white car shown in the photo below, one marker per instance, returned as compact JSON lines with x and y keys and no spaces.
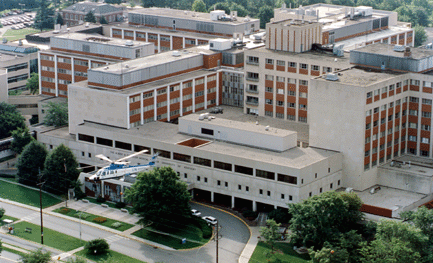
{"x":195,"y":212}
{"x":211,"y":220}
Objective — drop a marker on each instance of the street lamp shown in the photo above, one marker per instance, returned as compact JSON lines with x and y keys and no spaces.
{"x":40,"y":184}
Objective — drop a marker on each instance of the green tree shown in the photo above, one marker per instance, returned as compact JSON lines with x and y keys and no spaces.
{"x":60,"y":170}
{"x":279,"y":215}
{"x":37,"y":256}
{"x":270,"y":233}
{"x":221,"y":6}
{"x":33,"y":83}
{"x":103,"y":20}
{"x":397,"y":242}
{"x":77,"y":260}
{"x":113,"y":1}
{"x":159,"y":194}
{"x":2,"y":213}
{"x":90,"y":17}
{"x":97,"y":246}
{"x":57,"y":114}
{"x":420,"y":35}
{"x":323,"y":218}
{"x":10,"y":120}
{"x":265,"y":14}
{"x":59,"y":19}
{"x":199,"y":6}
{"x":242,"y":12}
{"x":44,"y":16}
{"x":30,"y":162}
{"x":21,"y":137}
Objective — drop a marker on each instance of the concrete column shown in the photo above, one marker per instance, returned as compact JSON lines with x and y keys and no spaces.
{"x":193,"y":95}
{"x":154,"y":105}
{"x":168,"y":103}
{"x":196,"y":41}
{"x":183,"y":42}
{"x":212,"y":197}
{"x":205,"y":92}
{"x":128,"y":113}
{"x":147,"y":37}
{"x":123,"y":34}
{"x":159,"y":43}
{"x":72,"y":69}
{"x":171,"y":42}
{"x":111,"y":32}
{"x":141,"y":108}
{"x":233,"y":201}
{"x":181,"y":99}
{"x":254,"y":206}
{"x":218,"y":89}
{"x":135,"y":34}
{"x":39,"y":70}
{"x":55,"y":76}
{"x":102,"y":189}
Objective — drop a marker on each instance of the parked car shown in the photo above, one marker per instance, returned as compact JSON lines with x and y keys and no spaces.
{"x":210,"y":219}
{"x":195,"y":212}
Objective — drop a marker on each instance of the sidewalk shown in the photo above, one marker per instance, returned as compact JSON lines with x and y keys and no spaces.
{"x":251,"y":245}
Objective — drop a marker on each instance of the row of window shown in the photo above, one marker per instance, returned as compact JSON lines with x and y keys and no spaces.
{"x":255,"y":61}
{"x":18,"y":78}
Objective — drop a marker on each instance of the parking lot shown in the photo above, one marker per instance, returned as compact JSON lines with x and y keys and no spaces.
{"x":17,"y":21}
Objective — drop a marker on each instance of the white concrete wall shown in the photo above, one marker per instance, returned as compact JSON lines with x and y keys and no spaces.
{"x":408,"y":181}
{"x":97,"y":106}
{"x":3,"y":86}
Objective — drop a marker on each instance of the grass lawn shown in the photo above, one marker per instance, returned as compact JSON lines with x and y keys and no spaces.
{"x":117,"y":257}
{"x":197,"y":230}
{"x":19,"y":253}
{"x":7,"y":217}
{"x":51,"y":238}
{"x":25,"y":195}
{"x":89,"y":217}
{"x":12,"y":35}
{"x":285,"y":253}
{"x":110,"y":204}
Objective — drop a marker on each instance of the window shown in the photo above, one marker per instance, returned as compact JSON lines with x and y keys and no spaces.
{"x":261,"y":191}
{"x":226,"y":184}
{"x":280,"y":91}
{"x":280,"y":79}
{"x":391,"y":87}
{"x":252,"y":76}
{"x":253,"y":60}
{"x":265,"y":174}
{"x":369,"y":94}
{"x":367,"y":153}
{"x":425,"y":127}
{"x":218,"y":182}
{"x":327,"y":69}
{"x":269,"y":61}
{"x":303,"y":82}
{"x":368,"y":126}
{"x":303,"y":119}
{"x":292,"y":64}
{"x":199,"y":81}
{"x":413,"y":112}
{"x":425,"y":140}
{"x":269,"y":193}
{"x":330,"y":186}
{"x":367,"y":140}
{"x":239,"y":187}
{"x":376,"y":110}
{"x":413,"y":125}
{"x":268,"y":101}
{"x":64,"y":60}
{"x":243,"y":170}
{"x":181,"y":157}
{"x":222,"y":165}
{"x":161,"y":104}
{"x":426,"y":114}
{"x":269,"y":113}
{"x":287,"y":179}
{"x":414,"y":82}
{"x":269,"y":77}
{"x":412,"y":138}
{"x":291,"y":81}
{"x":198,"y":178}
{"x":291,"y":93}
{"x":304,"y":66}
{"x":280,"y":103}
{"x":281,"y":63}
{"x":385,"y":90}
{"x":414,"y":99}
{"x":199,"y":93}
{"x":427,"y":101}
{"x":315,"y":67}
{"x":269,"y":89}
{"x":302,"y":107}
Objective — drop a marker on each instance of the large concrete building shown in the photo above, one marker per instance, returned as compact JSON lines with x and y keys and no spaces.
{"x":375,"y":111}
{"x":71,"y":55}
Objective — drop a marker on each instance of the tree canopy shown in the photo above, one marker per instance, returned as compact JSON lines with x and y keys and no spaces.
{"x":57,"y":114}
{"x":33,"y":83}
{"x":30,"y":162}
{"x":103,"y":20}
{"x":324,"y":217}
{"x":60,"y":170}
{"x":90,"y":17}
{"x":198,"y":6}
{"x":270,"y":232}
{"x":21,"y":137}
{"x":59,"y":19}
{"x":10,"y":120}
{"x":44,"y":16}
{"x":420,"y":36}
{"x":159,"y":194}
{"x":37,"y":256}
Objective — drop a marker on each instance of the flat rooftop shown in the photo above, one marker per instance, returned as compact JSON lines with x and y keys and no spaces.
{"x":357,"y":76}
{"x":96,"y":38}
{"x":241,"y":125}
{"x":168,"y":133}
{"x":342,"y":62}
{"x":190,"y":15}
{"x":389,"y":198}
{"x":154,"y":60}
{"x":418,"y":165}
{"x":8,"y":56}
{"x":388,"y":50}
{"x":72,"y":29}
{"x":356,"y":42}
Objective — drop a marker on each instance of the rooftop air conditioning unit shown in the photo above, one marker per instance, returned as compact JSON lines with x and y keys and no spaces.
{"x":129,"y":43}
{"x":176,"y":53}
{"x":398,"y":48}
{"x":331,"y":76}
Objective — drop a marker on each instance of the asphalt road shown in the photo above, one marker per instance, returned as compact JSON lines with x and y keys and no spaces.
{"x":233,"y":237}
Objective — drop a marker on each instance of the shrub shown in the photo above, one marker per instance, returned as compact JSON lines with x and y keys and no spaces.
{"x":120,"y":205}
{"x":97,"y":246}
{"x":2,"y":212}
{"x":100,"y":199}
{"x":83,"y":215}
{"x":280,"y":215}
{"x":64,"y":210}
{"x":100,"y":220}
{"x":250,"y":214}
{"x":116,"y":225}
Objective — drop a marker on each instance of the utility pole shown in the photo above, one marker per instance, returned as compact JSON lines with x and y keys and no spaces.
{"x":67,"y":193}
{"x":40,"y":200}
{"x":216,"y":239}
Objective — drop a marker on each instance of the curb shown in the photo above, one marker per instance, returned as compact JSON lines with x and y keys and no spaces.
{"x":222,"y":210}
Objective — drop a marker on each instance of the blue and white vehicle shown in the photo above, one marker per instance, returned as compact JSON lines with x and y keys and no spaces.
{"x":120,"y":168}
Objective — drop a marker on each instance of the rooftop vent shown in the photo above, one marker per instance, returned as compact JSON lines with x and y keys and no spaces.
{"x":176,"y":53}
{"x":267,"y":128}
{"x":126,"y":66}
{"x":331,"y":76}
{"x":20,"y":42}
{"x":87,"y":24}
{"x":129,"y":43}
{"x":398,"y":48}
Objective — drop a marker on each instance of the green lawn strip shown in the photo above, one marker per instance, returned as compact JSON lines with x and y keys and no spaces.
{"x":12,"y":34}
{"x":19,"y":253}
{"x":7,"y":217}
{"x":89,"y":217}
{"x":26,"y":195}
{"x":116,"y":256}
{"x":193,"y":231}
{"x":52,"y":238}
{"x":284,"y":252}
{"x":110,"y":204}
